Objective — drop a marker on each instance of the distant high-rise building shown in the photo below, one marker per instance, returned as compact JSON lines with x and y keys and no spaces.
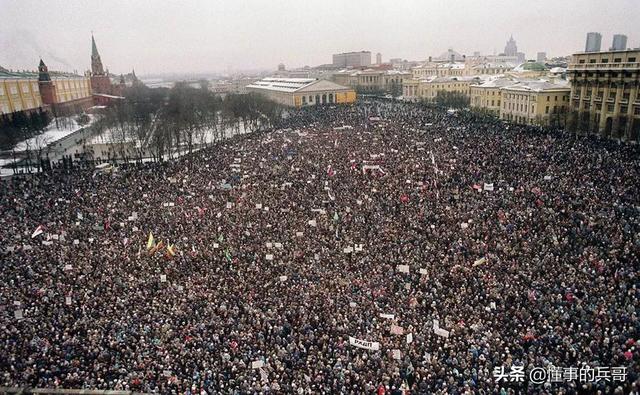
{"x":542,"y":56}
{"x":281,"y":67}
{"x":378,"y":58}
{"x":511,"y":49}
{"x":352,"y":59}
{"x":619,"y":42}
{"x":594,"y":40}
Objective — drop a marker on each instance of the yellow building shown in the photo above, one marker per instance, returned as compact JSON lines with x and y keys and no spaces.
{"x":487,"y":96}
{"x":427,"y":89}
{"x":605,"y":93}
{"x":71,"y":87}
{"x":300,"y":92}
{"x":434,"y":69}
{"x":19,"y":92}
{"x":26,"y":91}
{"x":535,"y":103}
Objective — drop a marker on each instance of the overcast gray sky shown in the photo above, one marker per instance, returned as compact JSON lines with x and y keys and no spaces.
{"x":219,"y":35}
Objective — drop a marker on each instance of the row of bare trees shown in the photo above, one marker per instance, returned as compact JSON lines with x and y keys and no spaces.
{"x":161,"y":123}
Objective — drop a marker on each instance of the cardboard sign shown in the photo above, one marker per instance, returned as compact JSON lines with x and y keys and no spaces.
{"x":410,"y":338}
{"x":269,"y":257}
{"x":396,"y":330}
{"x":403,"y":268}
{"x":423,"y":271}
{"x":163,"y":278}
{"x":488,"y":187}
{"x":397,"y":354}
{"x":257,"y":364}
{"x":387,"y":316}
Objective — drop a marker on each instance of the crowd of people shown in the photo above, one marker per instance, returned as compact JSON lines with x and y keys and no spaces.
{"x":378,"y":248}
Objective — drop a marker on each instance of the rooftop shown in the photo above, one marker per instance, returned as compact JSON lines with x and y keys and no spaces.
{"x":291,"y":85}
{"x":536,"y":86}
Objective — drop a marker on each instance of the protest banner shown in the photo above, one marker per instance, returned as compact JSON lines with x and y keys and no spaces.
{"x":488,"y":187}
{"x":441,"y":332}
{"x":374,"y":346}
{"x":387,"y":316}
{"x":403,"y":268}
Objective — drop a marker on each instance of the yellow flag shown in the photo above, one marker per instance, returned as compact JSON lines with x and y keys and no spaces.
{"x":170,"y":250}
{"x":150,"y":242}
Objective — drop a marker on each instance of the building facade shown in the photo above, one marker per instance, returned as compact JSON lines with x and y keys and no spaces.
{"x":604,"y":93}
{"x":619,"y":42}
{"x":372,"y":80}
{"x":352,"y":59}
{"x":535,"y":103}
{"x":427,"y":89}
{"x":64,"y":94}
{"x":301,"y":92}
{"x":19,"y":92}
{"x":594,"y":42}
{"x":487,"y":96}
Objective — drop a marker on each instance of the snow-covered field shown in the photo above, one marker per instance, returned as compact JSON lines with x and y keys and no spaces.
{"x":52,"y":134}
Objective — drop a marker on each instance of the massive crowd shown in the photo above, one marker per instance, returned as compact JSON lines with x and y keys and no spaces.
{"x":362,"y":222}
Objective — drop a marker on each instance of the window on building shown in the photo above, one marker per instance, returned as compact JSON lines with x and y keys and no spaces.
{"x":624,"y":109}
{"x":637,"y":110}
{"x":546,"y":110}
{"x":14,"y":90}
{"x":604,"y":60}
{"x":592,"y":60}
{"x":610,"y":107}
{"x":581,"y":61}
{"x":632,"y":60}
{"x":617,"y":60}
{"x":556,"y":99}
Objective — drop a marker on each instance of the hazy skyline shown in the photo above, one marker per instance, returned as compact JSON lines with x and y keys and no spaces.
{"x":216,"y":36}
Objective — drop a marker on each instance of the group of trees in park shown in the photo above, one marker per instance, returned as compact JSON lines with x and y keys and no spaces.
{"x":160,"y":122}
{"x":21,"y":125}
{"x":452,"y":99}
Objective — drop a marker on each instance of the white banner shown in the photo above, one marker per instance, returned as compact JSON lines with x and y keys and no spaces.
{"x":403,"y":268}
{"x":257,"y":364}
{"x":488,"y":187}
{"x":375,"y":346}
{"x":441,"y":332}
{"x":387,"y":316}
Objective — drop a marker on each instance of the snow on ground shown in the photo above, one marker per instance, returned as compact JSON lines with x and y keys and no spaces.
{"x":52,"y":133}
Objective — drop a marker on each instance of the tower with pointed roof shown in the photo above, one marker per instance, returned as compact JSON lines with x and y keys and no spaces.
{"x":100,"y":81}
{"x":96,"y":62}
{"x":511,"y":49}
{"x":45,"y":85}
